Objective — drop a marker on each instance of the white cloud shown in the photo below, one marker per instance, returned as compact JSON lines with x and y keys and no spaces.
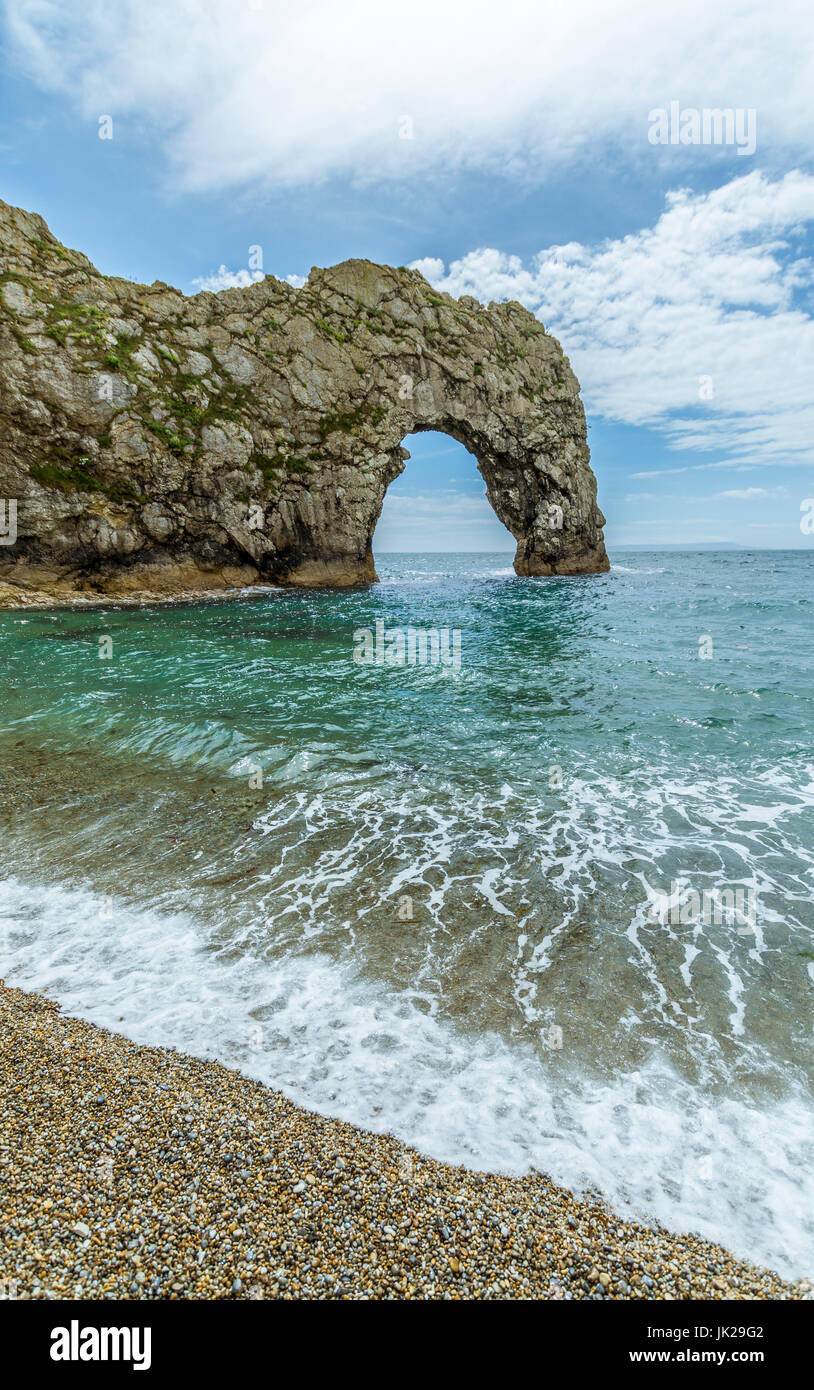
{"x":750,"y":494}
{"x":286,"y":94}
{"x":450,"y":501}
{"x":448,"y":520}
{"x":730,"y":464}
{"x":225,"y":279}
{"x":707,"y":312}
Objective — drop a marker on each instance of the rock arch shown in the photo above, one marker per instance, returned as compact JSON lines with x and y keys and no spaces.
{"x":492,"y":379}
{"x":162,"y":444}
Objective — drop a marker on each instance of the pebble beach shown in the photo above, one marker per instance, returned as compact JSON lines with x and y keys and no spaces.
{"x":137,"y":1172}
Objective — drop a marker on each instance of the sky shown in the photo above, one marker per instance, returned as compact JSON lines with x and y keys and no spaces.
{"x":555,"y":154}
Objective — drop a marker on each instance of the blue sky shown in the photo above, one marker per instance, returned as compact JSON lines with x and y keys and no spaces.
{"x":509,"y":153}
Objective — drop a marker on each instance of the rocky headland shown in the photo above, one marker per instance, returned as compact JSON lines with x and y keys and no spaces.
{"x":158,"y":445}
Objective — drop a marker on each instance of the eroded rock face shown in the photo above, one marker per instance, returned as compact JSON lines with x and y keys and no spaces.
{"x":159,"y":444}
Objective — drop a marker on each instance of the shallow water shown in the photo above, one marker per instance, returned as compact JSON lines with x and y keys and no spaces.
{"x":435,"y":900}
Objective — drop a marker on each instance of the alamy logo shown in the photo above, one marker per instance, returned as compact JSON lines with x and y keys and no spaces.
{"x":412,"y":646}
{"x":8,"y":528}
{"x":677,"y":125}
{"x":77,"y":1343}
{"x":686,"y":907}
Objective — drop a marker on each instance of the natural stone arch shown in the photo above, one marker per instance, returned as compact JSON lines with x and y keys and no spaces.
{"x":250,"y":436}
{"x":502,"y":388}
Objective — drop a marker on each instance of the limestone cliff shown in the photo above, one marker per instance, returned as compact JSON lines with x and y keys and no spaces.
{"x":159,"y":444}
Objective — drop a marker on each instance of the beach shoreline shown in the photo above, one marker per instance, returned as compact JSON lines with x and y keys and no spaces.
{"x":139,"y":591}
{"x":137,"y":1172}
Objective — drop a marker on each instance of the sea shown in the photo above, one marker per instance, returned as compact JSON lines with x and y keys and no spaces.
{"x":520,"y":871}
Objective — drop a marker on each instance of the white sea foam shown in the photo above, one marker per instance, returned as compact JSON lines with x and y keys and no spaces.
{"x":650,"y":1142}
{"x":634,"y":569}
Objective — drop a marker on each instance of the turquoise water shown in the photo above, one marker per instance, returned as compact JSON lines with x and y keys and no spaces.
{"x":462,"y":902}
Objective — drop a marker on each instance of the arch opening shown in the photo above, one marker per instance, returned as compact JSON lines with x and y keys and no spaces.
{"x":438,"y":504}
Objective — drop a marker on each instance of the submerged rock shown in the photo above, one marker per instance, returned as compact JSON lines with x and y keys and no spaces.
{"x":160,"y":444}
